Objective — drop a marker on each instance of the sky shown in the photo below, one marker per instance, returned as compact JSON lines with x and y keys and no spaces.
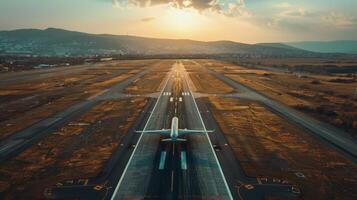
{"x":248,"y":21}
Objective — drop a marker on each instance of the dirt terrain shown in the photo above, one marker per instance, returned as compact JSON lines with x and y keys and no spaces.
{"x":150,"y":82}
{"x":203,"y":82}
{"x":206,"y":83}
{"x":268,"y":146}
{"x":77,"y":150}
{"x":330,"y":98}
{"x":145,"y":85}
{"x":336,"y":64}
{"x":27,"y":103}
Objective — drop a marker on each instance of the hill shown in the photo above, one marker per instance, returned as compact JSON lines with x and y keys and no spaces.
{"x":53,"y":41}
{"x":278,"y":45}
{"x":342,"y":46}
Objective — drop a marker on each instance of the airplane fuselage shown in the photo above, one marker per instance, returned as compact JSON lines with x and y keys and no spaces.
{"x":174,"y":128}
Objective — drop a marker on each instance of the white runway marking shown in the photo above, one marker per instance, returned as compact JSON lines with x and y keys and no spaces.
{"x":183,"y":160}
{"x":162,"y":160}
{"x":172,"y":181}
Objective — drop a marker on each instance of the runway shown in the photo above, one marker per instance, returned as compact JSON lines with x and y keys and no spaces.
{"x":192,"y":169}
{"x":143,"y":177}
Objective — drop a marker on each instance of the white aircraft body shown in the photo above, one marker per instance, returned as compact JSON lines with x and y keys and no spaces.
{"x":174,"y":132}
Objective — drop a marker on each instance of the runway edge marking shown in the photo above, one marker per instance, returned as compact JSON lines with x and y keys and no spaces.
{"x":141,"y":135}
{"x":209,"y":141}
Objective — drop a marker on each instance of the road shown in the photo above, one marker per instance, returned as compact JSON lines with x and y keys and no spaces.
{"x":21,"y":140}
{"x":204,"y":167}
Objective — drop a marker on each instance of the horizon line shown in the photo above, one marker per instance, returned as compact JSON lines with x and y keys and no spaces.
{"x":149,"y":37}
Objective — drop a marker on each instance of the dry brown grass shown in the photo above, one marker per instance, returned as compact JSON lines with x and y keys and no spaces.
{"x":24,"y":104}
{"x":147,"y":84}
{"x":329,"y":101}
{"x":268,"y":146}
{"x":330,"y":98}
{"x":304,"y":61}
{"x":206,"y":83}
{"x":32,"y":115}
{"x":110,"y":82}
{"x":65,"y":154}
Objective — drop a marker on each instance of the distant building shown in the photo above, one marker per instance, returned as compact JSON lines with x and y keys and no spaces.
{"x":89,"y":60}
{"x":43,"y":66}
{"x":4,"y":68}
{"x":106,"y":59}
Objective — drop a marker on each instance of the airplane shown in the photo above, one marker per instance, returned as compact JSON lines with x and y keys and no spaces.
{"x":174,"y":132}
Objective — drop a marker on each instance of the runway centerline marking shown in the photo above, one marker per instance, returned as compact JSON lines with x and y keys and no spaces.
{"x":173,"y":149}
{"x":172,"y":180}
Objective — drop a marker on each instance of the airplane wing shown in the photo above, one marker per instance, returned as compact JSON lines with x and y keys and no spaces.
{"x":176,"y":140}
{"x":188,"y":131}
{"x":162,"y":131}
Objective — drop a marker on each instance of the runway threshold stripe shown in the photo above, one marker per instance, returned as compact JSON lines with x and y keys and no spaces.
{"x":183,"y":160}
{"x":162,"y":160}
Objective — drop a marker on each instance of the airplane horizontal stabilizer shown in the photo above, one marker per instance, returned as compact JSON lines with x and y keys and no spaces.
{"x":162,"y":131}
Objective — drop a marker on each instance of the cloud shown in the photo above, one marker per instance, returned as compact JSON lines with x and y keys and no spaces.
{"x":306,"y":21}
{"x":231,"y":9}
{"x":237,"y":9}
{"x":290,"y":18}
{"x":115,"y":3}
{"x":283,"y":5}
{"x":147,"y":19}
{"x":341,"y":20}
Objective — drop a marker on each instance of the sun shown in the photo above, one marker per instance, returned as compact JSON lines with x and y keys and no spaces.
{"x":182,"y":20}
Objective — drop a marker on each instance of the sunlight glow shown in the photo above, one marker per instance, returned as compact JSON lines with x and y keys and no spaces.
{"x":183,"y":21}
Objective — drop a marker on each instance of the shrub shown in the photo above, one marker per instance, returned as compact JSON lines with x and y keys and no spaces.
{"x":315,"y":82}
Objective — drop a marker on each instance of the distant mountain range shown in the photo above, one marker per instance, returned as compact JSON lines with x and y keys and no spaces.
{"x":342,"y":46}
{"x":278,"y":45}
{"x":60,"y":42}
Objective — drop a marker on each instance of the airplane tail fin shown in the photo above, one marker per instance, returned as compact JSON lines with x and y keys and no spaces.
{"x":174,"y":140}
